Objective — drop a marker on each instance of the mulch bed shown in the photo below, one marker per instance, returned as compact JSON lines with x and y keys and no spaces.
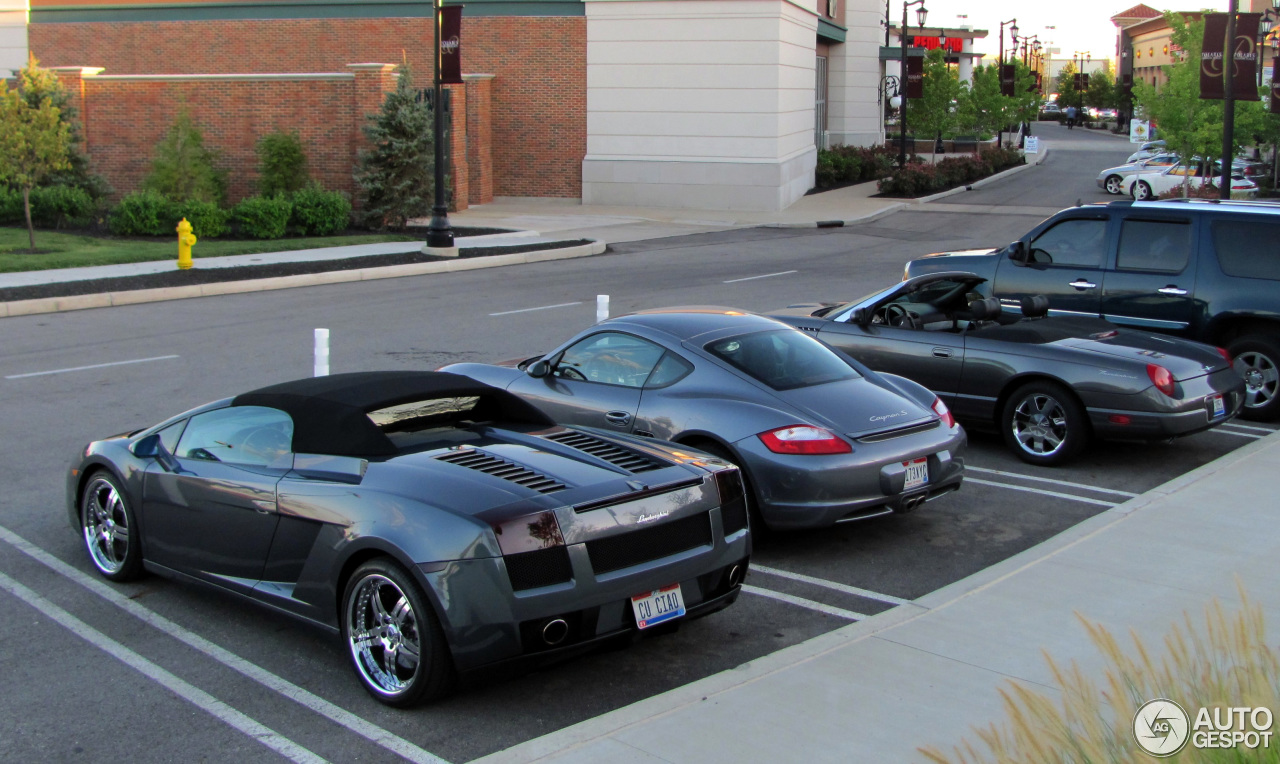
{"x":246,"y":272}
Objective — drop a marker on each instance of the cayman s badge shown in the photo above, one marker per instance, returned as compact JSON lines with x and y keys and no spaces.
{"x":885,"y":417}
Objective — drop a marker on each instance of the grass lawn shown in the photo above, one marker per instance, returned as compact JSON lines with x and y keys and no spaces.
{"x":73,"y":250}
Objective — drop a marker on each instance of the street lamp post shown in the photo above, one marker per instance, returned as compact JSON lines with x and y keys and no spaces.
{"x":1000,"y":70}
{"x":921,"y":14}
{"x":439,"y":232}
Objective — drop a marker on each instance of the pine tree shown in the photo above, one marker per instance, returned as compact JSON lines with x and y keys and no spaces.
{"x":396,"y":176}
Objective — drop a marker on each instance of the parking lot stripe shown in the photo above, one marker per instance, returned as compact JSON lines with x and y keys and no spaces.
{"x":541,"y":307}
{"x":765,"y":276}
{"x":1250,"y":427}
{"x":188,"y":692}
{"x":1222,"y":431}
{"x":1069,"y":484}
{"x":1041,"y":491}
{"x":836,"y":586}
{"x":802,"y":602}
{"x":91,"y":366}
{"x":341,"y":716}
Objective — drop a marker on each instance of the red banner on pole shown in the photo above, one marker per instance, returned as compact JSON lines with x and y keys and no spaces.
{"x":450,"y":48}
{"x":915,"y":77}
{"x":1244,"y":57}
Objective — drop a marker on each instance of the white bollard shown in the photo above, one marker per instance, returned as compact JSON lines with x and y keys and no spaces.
{"x":322,"y":353}
{"x":602,"y":307}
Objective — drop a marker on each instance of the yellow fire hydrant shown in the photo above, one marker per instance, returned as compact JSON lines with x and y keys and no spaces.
{"x":185,"y":241}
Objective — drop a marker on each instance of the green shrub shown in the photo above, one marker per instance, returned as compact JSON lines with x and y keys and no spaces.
{"x":183,"y":168}
{"x":11,"y":207}
{"x":317,"y":212}
{"x":282,"y":164}
{"x":263,"y":217}
{"x":208,"y":220}
{"x":141,"y":213}
{"x":56,"y":206}
{"x":825,"y":174}
{"x":916,"y":179}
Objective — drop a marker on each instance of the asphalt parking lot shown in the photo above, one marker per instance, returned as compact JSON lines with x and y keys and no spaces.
{"x":157,"y":671}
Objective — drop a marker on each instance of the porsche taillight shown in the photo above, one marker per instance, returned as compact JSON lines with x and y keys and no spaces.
{"x":1162,"y":378}
{"x":941,"y":410}
{"x":804,"y":439}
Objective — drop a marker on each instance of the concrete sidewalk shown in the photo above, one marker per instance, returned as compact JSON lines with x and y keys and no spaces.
{"x":926,"y":673}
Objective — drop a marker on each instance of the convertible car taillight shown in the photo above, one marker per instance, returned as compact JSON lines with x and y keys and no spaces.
{"x":941,"y":410}
{"x":1162,"y":378}
{"x":804,"y":439}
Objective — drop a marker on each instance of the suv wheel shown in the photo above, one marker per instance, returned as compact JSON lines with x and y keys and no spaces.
{"x":1258,"y":359}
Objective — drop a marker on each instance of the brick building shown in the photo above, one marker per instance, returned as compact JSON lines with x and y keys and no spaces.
{"x":704,"y":103}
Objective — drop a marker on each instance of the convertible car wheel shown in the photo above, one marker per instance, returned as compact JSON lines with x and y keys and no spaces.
{"x":108,"y":525}
{"x":1043,"y":423}
{"x":1113,"y":184}
{"x":396,"y":643}
{"x":1258,"y":360}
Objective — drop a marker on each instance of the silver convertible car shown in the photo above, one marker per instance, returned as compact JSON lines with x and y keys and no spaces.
{"x":820,"y":438}
{"x":440,"y":525}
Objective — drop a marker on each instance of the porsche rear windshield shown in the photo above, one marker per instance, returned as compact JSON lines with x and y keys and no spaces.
{"x":783,"y":359}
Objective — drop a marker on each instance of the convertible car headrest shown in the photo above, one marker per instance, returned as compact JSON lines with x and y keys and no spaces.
{"x":985,"y":310}
{"x":1036,"y":306}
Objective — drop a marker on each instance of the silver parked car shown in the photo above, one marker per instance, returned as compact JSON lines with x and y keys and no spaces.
{"x":1112,"y":178}
{"x":820,"y":437}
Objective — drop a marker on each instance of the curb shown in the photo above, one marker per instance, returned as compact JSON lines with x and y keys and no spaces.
{"x":139,"y":296}
{"x":1044,"y":154}
{"x":673,"y":701}
{"x":892,"y":208}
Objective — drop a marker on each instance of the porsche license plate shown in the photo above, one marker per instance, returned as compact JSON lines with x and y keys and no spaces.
{"x":658,"y":606}
{"x":917,"y":473}
{"x":1217,"y":407}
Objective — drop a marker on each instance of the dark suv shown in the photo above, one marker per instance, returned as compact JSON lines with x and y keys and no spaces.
{"x":1201,"y":269}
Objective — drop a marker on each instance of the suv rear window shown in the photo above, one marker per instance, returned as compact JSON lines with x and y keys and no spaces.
{"x":783,"y":360}
{"x":1248,"y":249}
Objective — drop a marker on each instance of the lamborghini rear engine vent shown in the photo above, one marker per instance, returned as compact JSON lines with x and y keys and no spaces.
{"x":813,"y":329}
{"x":628,"y":460}
{"x":498,"y":467}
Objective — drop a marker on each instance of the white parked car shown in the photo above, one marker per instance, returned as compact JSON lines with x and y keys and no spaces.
{"x":1147,"y":150}
{"x":1151,"y":182}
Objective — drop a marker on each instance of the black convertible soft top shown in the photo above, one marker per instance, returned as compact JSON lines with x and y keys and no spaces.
{"x":330,"y":414}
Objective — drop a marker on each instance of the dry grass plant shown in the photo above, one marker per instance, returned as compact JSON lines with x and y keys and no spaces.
{"x":1226,"y":663}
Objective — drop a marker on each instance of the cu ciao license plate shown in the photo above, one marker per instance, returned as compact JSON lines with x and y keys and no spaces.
{"x":658,"y":606}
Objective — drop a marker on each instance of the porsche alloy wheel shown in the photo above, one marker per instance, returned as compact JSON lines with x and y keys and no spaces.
{"x":1043,"y":424}
{"x":108,"y":528}
{"x":1141,"y":191}
{"x":1113,"y":184}
{"x":396,"y":644}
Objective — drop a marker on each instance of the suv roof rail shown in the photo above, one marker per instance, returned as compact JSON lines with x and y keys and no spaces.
{"x":1262,"y":204}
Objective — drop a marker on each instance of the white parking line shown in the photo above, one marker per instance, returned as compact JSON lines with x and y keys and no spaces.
{"x":341,"y":716}
{"x":541,"y":307}
{"x":1221,"y":431}
{"x":1250,"y":427}
{"x":1040,"y":491}
{"x":193,"y":695}
{"x":833,"y":585}
{"x":765,"y":276}
{"x":1020,"y":476}
{"x":802,"y":602}
{"x":93,"y":366}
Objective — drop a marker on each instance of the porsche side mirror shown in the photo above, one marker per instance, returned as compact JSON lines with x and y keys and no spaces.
{"x":538,"y":369}
{"x":861,"y":316}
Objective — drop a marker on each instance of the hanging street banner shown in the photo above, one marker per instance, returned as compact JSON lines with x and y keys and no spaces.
{"x":1008,"y":74}
{"x":1275,"y":85}
{"x":450,"y":49}
{"x":915,"y":77}
{"x":1244,"y":57}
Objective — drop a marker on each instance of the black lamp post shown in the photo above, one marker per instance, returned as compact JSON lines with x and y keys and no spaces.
{"x":439,"y":232}
{"x":1000,"y":69}
{"x":921,"y":14}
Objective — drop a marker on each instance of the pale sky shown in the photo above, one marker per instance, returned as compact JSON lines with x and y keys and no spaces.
{"x":1082,"y":25}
